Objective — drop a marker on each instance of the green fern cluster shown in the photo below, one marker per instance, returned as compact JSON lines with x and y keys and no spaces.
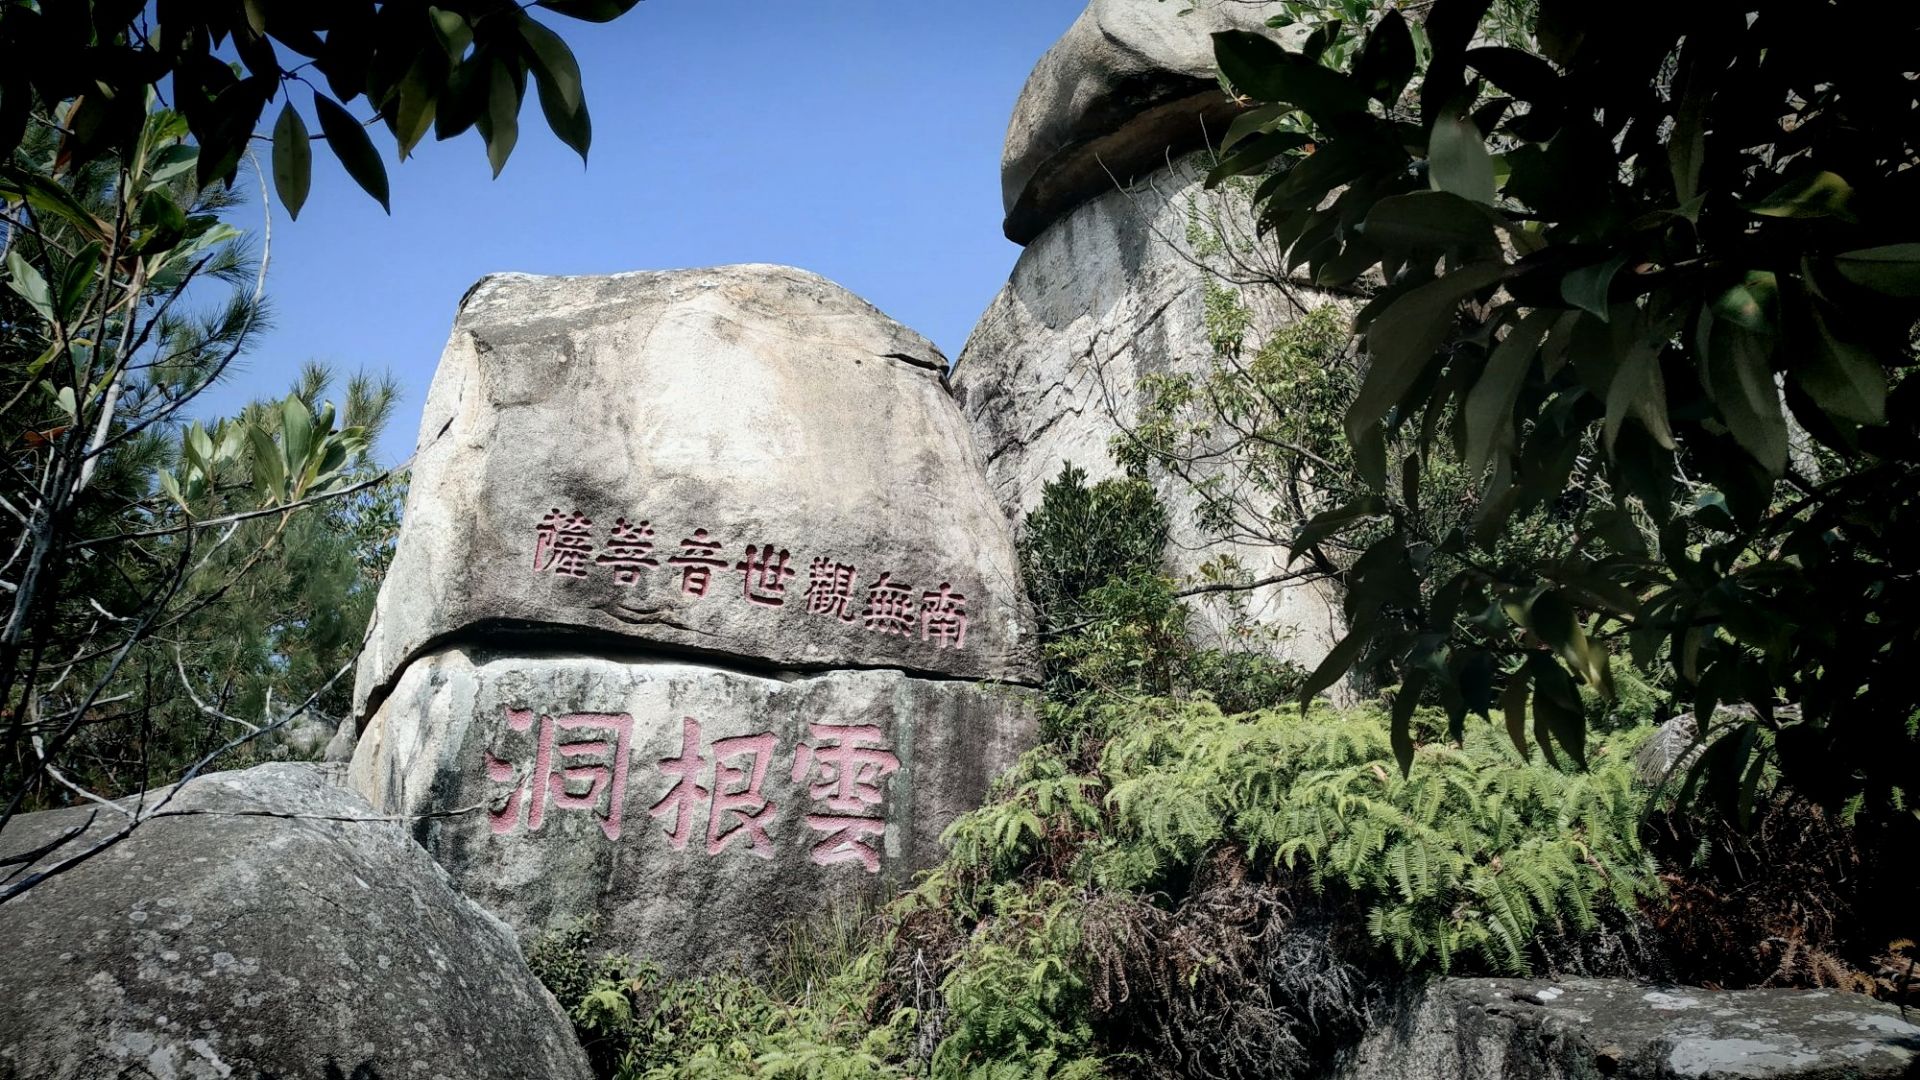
{"x":638,"y":1024}
{"x":1467,"y":858}
{"x":1016,"y":998}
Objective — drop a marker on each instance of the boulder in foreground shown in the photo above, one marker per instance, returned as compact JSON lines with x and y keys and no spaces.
{"x":229,"y":943}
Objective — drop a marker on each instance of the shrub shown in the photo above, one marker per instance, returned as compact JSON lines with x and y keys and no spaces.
{"x":1463,"y":861}
{"x":1112,"y":622}
{"x":808,"y":1021}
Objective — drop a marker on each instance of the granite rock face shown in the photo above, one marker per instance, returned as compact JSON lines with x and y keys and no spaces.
{"x":228,"y":943}
{"x":1129,"y":85}
{"x":746,"y":461}
{"x":1467,"y":1029}
{"x":1113,"y":292}
{"x":702,"y":618}
{"x":689,"y":808}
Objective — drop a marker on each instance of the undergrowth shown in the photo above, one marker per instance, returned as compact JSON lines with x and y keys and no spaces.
{"x":1203,"y":895}
{"x":1193,"y":877}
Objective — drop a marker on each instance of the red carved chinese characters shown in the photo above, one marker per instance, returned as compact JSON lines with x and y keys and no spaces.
{"x":580,"y":763}
{"x":943,"y":617}
{"x":746,"y":803}
{"x":764,"y":578}
{"x":846,"y":770}
{"x":889,"y":607}
{"x":686,"y":794}
{"x":697,"y":563}
{"x":598,"y":764}
{"x":562,"y":543}
{"x":628,"y":549}
{"x":735,"y":805}
{"x":830,"y":589}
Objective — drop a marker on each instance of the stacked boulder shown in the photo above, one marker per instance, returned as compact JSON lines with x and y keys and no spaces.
{"x":1102,"y":180}
{"x":702,"y":618}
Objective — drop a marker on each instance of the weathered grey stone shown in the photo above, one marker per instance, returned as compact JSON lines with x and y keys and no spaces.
{"x":1672,"y":749}
{"x":464,"y":731}
{"x":764,"y":405}
{"x":1111,"y":293}
{"x":1469,"y":1029}
{"x":228,"y":943}
{"x":1129,"y":85}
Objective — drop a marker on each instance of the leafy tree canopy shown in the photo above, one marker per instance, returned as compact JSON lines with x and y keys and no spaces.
{"x":1656,"y":270}
{"x":420,"y":67}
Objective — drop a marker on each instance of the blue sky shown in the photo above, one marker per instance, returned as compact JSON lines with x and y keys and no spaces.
{"x":856,"y":138}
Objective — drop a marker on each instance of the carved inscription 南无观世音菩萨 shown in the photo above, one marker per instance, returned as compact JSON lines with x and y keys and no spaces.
{"x":565,"y":545}
{"x":839,"y":777}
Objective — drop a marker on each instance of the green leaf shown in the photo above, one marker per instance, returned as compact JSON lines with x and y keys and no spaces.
{"x":350,"y":144}
{"x":589,"y":10}
{"x":464,"y":96}
{"x":1489,"y":406}
{"x":1552,"y":620}
{"x":500,"y":123}
{"x":1370,"y":455}
{"x":78,"y":278}
{"x":1404,"y":702}
{"x":419,"y":89}
{"x":1332,"y":521}
{"x":1385,"y":62}
{"x":1893,"y":269}
{"x":1739,"y":377}
{"x":1747,"y":303}
{"x":163,"y":221}
{"x":1517,"y":73}
{"x":176,"y":160}
{"x":1815,"y":195}
{"x":1337,"y":662}
{"x":1251,"y":122}
{"x":1557,"y":710}
{"x":1458,"y":162}
{"x":1513,"y":703}
{"x":1639,"y":390}
{"x":1308,"y":181}
{"x":172,"y":489}
{"x":296,"y":434}
{"x":48,"y":197}
{"x":1257,"y":66}
{"x":25,"y":280}
{"x":292,"y":160}
{"x":1842,"y":378}
{"x":1586,"y":288}
{"x":1255,"y":153}
{"x":1429,"y":219}
{"x":1687,"y":146}
{"x":452,"y":30}
{"x":1401,"y":341}
{"x":557,"y":76}
{"x":269,"y":471}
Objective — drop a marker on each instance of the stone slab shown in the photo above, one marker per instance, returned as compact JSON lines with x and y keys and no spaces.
{"x":689,"y":812}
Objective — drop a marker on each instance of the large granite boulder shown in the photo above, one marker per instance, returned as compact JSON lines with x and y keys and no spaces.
{"x":1130,"y":85}
{"x":702,"y":617}
{"x":265,"y":927}
{"x":741,"y":461}
{"x":1468,"y":1029}
{"x":1113,"y":292}
{"x":691,"y":807}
